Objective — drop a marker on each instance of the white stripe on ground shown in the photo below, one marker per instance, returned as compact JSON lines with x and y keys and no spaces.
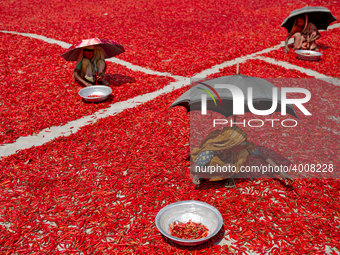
{"x":53,"y":132}
{"x":113,"y":60}
{"x":216,"y":68}
{"x":40,"y":37}
{"x":309,"y":72}
{"x":142,"y":69}
{"x":337,"y":25}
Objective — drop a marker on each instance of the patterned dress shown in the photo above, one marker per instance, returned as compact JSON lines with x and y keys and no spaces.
{"x":206,"y":156}
{"x":300,"y":38}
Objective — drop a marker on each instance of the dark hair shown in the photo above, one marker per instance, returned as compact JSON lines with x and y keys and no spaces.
{"x":301,"y":16}
{"x":88,"y":50}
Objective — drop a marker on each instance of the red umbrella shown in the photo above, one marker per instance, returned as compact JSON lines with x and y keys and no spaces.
{"x":110,"y":48}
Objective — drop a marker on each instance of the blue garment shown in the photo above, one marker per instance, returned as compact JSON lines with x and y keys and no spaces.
{"x":254,"y":152}
{"x":205,"y":157}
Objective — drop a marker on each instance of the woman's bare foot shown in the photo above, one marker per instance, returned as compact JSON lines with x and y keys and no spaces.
{"x":287,"y":178}
{"x":197,"y":180}
{"x":229,"y":183}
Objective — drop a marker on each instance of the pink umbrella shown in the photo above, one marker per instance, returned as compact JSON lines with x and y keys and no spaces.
{"x":110,"y":48}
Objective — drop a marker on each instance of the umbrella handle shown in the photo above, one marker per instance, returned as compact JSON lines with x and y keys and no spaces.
{"x":95,"y":67}
{"x":307,"y":36}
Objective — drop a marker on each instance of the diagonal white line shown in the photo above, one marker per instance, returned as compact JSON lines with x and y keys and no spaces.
{"x":142,"y":69}
{"x":40,"y":37}
{"x":113,"y":60}
{"x":53,"y":132}
{"x":309,"y":72}
{"x":216,"y":68}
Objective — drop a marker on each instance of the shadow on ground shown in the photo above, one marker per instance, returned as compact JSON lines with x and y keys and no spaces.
{"x":118,"y":79}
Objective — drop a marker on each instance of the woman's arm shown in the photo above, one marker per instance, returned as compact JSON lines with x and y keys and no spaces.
{"x":314,"y":38}
{"x":314,"y":33}
{"x":76,"y":75}
{"x":286,"y":43}
{"x":271,"y":162}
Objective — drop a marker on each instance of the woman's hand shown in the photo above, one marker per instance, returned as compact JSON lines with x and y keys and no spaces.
{"x":286,"y":50}
{"x":313,"y":38}
{"x":286,"y":177}
{"x":100,"y":76}
{"x":76,"y":75}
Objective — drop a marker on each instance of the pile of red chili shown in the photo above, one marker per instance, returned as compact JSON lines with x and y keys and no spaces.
{"x":94,"y":96}
{"x":190,"y":230}
{"x":98,"y":191}
{"x":79,"y":192}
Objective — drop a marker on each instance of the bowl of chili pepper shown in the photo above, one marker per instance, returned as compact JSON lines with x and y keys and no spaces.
{"x":308,"y":55}
{"x":95,"y":93}
{"x":189,"y":222}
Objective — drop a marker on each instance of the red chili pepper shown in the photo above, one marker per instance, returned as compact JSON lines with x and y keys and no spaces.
{"x":189,"y":230}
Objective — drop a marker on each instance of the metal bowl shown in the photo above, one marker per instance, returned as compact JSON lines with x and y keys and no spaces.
{"x":309,"y":55}
{"x":98,"y":90}
{"x":184,"y":211}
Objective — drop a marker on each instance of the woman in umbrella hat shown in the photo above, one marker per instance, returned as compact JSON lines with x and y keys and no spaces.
{"x":226,"y":147}
{"x":305,"y":34}
{"x":90,"y":62}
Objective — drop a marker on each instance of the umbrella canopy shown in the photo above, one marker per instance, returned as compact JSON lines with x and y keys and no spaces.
{"x":321,"y":17}
{"x":262,"y":95}
{"x":110,"y":48}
